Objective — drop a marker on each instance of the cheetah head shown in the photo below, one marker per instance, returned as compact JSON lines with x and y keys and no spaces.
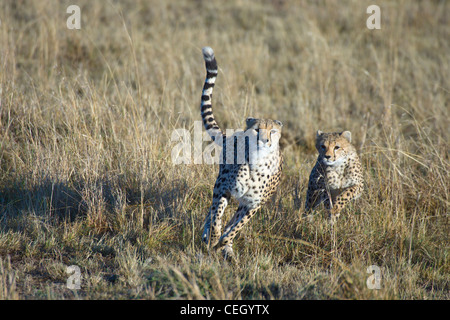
{"x":333,"y":147}
{"x":268,"y":133}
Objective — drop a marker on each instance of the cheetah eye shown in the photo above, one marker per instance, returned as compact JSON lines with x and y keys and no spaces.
{"x":323,"y":147}
{"x":273,"y":131}
{"x":336,"y":147}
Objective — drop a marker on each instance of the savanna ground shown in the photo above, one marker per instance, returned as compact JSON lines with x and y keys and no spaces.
{"x":87,"y":179}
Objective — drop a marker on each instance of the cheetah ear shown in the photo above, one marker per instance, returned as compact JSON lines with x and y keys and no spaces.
{"x":278,"y":122}
{"x":250,"y":121}
{"x":347,"y":135}
{"x":319,"y":133}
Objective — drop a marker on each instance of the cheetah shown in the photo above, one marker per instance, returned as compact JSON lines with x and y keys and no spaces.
{"x":337,"y":175}
{"x":251,"y":180}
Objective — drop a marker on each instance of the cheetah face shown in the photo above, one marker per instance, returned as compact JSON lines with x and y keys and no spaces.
{"x":268,"y":133}
{"x":333,"y":147}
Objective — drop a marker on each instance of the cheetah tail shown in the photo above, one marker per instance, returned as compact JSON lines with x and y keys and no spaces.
{"x":209,"y":121}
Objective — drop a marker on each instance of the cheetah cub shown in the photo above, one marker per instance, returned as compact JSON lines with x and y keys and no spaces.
{"x":250,"y":168}
{"x":337,"y":176}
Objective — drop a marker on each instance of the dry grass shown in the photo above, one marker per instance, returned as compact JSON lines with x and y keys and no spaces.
{"x":86,"y":177}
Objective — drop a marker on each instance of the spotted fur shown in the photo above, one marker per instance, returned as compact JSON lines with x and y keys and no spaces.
{"x":337,"y":175}
{"x":252,"y":180}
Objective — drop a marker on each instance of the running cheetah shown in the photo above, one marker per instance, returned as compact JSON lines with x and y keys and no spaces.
{"x":249,"y":171}
{"x":337,"y":176}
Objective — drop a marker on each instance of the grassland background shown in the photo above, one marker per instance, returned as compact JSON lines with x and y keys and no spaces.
{"x":86,"y":176}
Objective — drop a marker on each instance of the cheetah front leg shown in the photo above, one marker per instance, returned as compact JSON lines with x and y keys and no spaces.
{"x":213,"y":221}
{"x":341,"y":200}
{"x":316,"y":193}
{"x":240,"y":218}
{"x":313,"y":199}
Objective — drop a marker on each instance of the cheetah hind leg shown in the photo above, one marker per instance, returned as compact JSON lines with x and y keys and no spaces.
{"x":206,"y":228}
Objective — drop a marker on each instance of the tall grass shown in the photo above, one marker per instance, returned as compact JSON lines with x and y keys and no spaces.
{"x":86,"y":176}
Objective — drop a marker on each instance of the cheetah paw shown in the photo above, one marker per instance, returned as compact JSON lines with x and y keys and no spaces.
{"x":227,"y":252}
{"x":210,"y":240}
